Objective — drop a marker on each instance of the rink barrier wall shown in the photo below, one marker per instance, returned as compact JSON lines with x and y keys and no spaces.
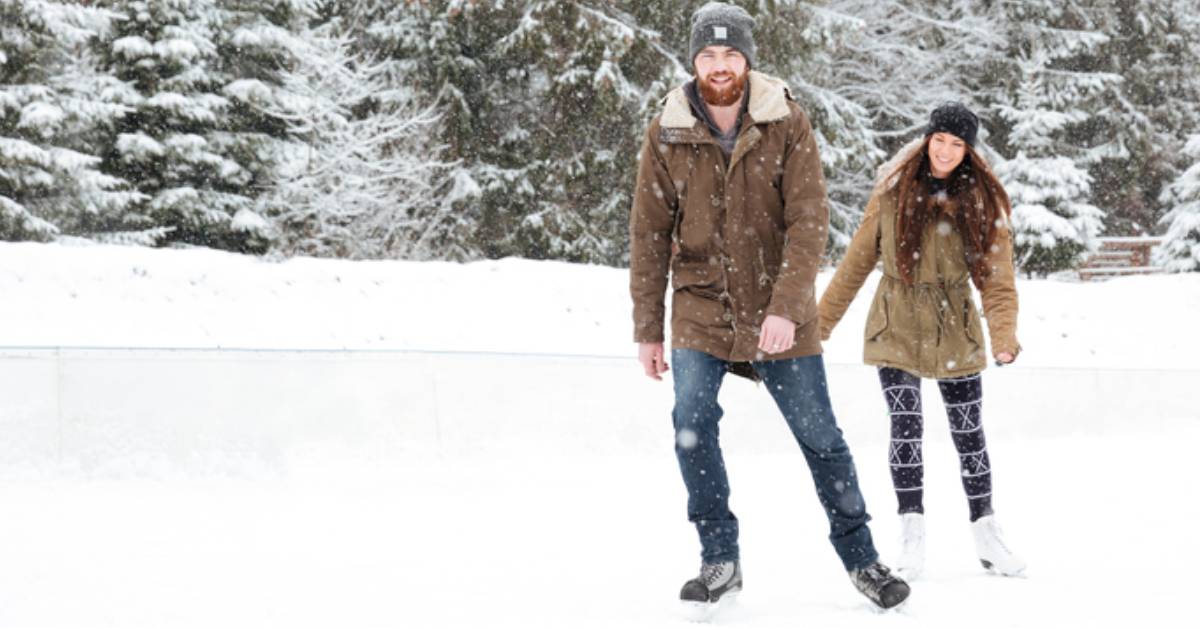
{"x":148,"y":409}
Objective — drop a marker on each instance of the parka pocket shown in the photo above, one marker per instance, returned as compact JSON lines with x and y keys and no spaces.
{"x":696,"y":275}
{"x":973,"y":324}
{"x":877,"y":320}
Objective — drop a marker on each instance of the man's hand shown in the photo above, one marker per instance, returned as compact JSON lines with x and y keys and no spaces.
{"x":778,"y":334}
{"x":1005,"y":358}
{"x":650,"y":354}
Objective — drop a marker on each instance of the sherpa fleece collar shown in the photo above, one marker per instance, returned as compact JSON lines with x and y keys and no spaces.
{"x":768,"y":103}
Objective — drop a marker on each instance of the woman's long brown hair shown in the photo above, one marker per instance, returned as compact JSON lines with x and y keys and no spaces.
{"x":976,"y":200}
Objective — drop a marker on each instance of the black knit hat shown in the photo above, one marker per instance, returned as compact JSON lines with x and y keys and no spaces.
{"x":954,"y":118}
{"x":720,"y":24}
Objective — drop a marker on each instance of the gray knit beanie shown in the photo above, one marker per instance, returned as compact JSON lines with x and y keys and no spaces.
{"x":721,"y":24}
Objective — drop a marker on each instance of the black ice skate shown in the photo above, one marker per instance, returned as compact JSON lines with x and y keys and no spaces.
{"x":717,"y":583}
{"x":879,"y":585}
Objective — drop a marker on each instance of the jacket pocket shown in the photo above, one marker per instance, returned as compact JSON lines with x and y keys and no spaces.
{"x":877,"y":320}
{"x":973,"y":325}
{"x":697,"y":275}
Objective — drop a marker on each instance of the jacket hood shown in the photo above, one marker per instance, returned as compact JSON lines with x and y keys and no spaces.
{"x":886,"y":180}
{"x":769,"y":98}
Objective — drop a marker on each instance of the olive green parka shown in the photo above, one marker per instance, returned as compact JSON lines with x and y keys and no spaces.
{"x":930,"y":328}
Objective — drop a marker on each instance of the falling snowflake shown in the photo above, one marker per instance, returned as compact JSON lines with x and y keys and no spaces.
{"x":686,"y":438}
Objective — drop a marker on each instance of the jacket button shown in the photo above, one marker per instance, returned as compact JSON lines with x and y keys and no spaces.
{"x":727,"y":317}
{"x":716,"y":202}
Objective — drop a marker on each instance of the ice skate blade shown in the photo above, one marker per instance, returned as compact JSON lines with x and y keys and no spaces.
{"x":706,"y":612}
{"x":875,"y":609}
{"x":996,"y":571}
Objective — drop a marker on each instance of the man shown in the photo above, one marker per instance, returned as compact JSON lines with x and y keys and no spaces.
{"x":730,"y":200}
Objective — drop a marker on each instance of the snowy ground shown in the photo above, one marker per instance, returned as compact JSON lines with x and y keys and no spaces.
{"x":473,"y":446}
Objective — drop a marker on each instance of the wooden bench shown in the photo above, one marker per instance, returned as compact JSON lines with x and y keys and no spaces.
{"x":1121,"y":256}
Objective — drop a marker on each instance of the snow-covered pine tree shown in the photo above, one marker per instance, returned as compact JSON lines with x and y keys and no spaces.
{"x":255,"y":43}
{"x":1046,"y":175}
{"x":444,"y":48}
{"x":591,"y":75}
{"x":190,"y":144}
{"x":52,"y":102}
{"x":543,"y":103}
{"x":1180,"y":251}
{"x":363,"y":179}
{"x":1155,"y":46}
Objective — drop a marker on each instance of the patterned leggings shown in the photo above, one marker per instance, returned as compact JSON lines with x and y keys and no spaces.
{"x":963,"y":397}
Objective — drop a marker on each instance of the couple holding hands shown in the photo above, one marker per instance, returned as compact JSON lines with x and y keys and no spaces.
{"x":730,"y":210}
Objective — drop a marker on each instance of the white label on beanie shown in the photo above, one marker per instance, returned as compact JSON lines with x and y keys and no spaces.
{"x":719,"y":32}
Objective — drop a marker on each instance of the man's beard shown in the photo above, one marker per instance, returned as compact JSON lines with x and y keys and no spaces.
{"x":727,"y":95}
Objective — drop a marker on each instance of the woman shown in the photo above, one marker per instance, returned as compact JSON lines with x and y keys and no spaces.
{"x":938,"y":218}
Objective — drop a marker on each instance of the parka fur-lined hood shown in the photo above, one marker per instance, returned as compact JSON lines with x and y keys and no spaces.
{"x":886,"y":177}
{"x":769,"y":98}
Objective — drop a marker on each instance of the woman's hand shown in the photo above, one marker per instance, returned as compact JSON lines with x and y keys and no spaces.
{"x":1005,"y":357}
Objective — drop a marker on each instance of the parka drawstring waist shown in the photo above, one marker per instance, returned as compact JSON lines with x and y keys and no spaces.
{"x":939,"y":299}
{"x":936,"y":294}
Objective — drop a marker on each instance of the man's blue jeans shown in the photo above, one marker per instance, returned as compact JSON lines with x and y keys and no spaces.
{"x":799,"y":388}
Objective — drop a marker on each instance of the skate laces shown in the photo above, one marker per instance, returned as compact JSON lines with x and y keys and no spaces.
{"x":878,"y":571}
{"x":875,"y":576}
{"x":710,"y":573}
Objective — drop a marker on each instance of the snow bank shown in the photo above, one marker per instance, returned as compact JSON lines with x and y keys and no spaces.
{"x":112,"y":296}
